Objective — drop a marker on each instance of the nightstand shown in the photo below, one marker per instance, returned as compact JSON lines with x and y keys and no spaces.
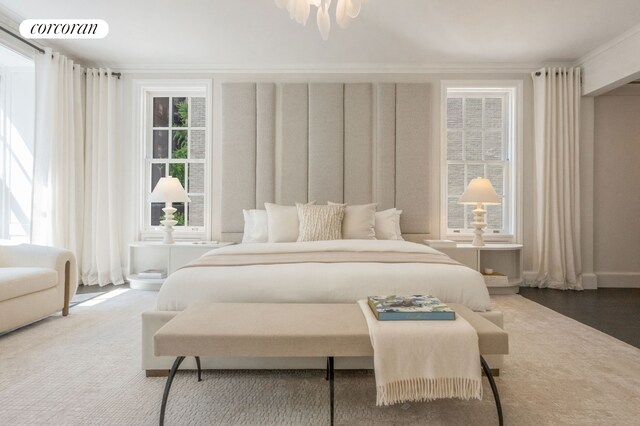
{"x":145,"y":255}
{"x":503,"y":258}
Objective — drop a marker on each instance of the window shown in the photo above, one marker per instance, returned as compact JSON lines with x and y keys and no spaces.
{"x":17,"y":136}
{"x":480,"y":141}
{"x":176,"y":145}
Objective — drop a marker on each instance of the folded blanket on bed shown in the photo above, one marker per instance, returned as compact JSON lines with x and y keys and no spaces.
{"x":424,"y":360}
{"x":278,"y":258}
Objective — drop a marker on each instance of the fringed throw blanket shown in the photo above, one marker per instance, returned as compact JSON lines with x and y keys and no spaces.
{"x":424,"y":360}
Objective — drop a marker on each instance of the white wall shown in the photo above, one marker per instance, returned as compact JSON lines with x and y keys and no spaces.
{"x":131,"y":171}
{"x":616,"y":195}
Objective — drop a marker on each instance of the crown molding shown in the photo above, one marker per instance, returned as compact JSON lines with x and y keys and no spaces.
{"x":608,"y":45}
{"x":433,"y":68}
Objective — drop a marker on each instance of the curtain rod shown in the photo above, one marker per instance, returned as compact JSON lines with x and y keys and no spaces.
{"x":538,"y":73}
{"x":17,"y":37}
{"x":39,"y":49}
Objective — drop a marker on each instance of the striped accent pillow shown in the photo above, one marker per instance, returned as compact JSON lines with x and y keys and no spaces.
{"x":320,"y":223}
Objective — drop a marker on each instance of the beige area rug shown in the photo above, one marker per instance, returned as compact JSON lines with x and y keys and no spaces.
{"x":85,"y":370}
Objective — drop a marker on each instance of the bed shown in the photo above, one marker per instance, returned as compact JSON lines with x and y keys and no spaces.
{"x":340,"y":271}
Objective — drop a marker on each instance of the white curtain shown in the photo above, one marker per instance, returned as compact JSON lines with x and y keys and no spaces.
{"x":58,"y":155}
{"x":77,"y":148}
{"x":102,"y":231}
{"x":557,"y":197}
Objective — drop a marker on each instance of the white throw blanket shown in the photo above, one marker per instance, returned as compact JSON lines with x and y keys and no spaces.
{"x":424,"y":360}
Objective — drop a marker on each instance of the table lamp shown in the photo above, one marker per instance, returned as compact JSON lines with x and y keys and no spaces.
{"x":479,"y":192}
{"x":169,"y":190}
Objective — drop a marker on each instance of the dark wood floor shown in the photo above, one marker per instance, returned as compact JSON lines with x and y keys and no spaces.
{"x":615,"y":311}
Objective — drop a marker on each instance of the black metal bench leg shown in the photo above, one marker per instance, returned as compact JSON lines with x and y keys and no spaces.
{"x":167,"y":387}
{"x":199,"y":369}
{"x":494,"y":388}
{"x":326,"y":377}
{"x":330,"y":372}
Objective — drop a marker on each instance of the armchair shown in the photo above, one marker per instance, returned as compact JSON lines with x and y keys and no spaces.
{"x":35,"y":282}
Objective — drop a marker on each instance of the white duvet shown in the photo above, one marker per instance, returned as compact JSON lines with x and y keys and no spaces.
{"x":323,"y":282}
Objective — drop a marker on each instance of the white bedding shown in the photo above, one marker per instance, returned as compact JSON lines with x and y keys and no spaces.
{"x":323,"y":282}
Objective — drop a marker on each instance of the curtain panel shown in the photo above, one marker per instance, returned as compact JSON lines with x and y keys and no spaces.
{"x":101,"y":234}
{"x":58,"y":154}
{"x":74,"y":201}
{"x":557,"y":260}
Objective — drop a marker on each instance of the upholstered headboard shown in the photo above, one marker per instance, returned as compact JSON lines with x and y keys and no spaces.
{"x":354,"y":143}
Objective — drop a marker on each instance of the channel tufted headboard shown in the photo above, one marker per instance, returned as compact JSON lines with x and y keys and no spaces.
{"x":354,"y":143}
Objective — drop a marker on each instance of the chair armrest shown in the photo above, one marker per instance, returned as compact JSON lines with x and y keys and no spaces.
{"x":62,"y":261}
{"x":26,"y":255}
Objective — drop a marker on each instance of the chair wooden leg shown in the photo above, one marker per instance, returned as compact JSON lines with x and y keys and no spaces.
{"x":67,"y":273}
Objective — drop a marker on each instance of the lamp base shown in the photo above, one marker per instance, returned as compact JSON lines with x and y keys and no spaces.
{"x":479,"y":224}
{"x":168,"y":224}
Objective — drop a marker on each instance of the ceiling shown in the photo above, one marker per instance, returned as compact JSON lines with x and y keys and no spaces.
{"x":242,"y":34}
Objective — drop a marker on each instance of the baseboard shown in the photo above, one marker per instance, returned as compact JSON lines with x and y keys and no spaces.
{"x":590,"y":281}
{"x":618,"y":279}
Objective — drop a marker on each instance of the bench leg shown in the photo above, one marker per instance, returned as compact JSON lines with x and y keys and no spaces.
{"x":199,"y":369}
{"x":330,"y":373}
{"x":167,"y":387}
{"x":494,"y":389}
{"x":326,"y":377}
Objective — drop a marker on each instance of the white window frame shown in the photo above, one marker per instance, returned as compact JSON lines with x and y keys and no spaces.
{"x":513,"y":90}
{"x":144,"y":91}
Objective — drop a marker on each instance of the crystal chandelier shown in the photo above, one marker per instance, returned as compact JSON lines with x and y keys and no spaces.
{"x":346,"y":10}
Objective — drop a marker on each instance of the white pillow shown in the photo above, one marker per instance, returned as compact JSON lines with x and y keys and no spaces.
{"x":320,"y":223}
{"x":255,"y":226}
{"x":388,"y":225}
{"x":359,"y":221}
{"x":282,"y":222}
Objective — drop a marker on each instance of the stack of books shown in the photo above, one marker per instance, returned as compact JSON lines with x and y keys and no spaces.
{"x":152,"y":274}
{"x":409,"y":308}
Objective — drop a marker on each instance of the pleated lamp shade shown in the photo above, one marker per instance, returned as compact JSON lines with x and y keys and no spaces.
{"x":169,"y":190}
{"x":479,"y":190}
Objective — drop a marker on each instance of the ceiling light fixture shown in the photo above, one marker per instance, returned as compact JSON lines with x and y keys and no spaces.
{"x":346,"y":10}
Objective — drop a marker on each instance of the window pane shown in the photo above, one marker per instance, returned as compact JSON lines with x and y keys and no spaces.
{"x":454,"y":145}
{"x":160,"y":144}
{"x":454,"y":113}
{"x":456,"y":214}
{"x":177,"y":171}
{"x":474,"y":171}
{"x":180,"y":112}
{"x":473,"y":113}
{"x":494,"y":216}
{"x":495,"y":173}
{"x":196,"y":211}
{"x":179,"y":144}
{"x":179,"y":214}
{"x":493,"y":145}
{"x":196,"y":144}
{"x":196,"y":178}
{"x":156,"y":213}
{"x":456,"y":179}
{"x":160,"y":112}
{"x":473,"y":145}
{"x":493,"y":113}
{"x":198,"y":112}
{"x":157,"y":171}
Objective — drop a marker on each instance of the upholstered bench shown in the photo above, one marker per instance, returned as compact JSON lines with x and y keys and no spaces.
{"x":291,"y":330}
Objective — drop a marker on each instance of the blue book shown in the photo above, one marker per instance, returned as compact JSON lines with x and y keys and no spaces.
{"x":409,"y":308}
